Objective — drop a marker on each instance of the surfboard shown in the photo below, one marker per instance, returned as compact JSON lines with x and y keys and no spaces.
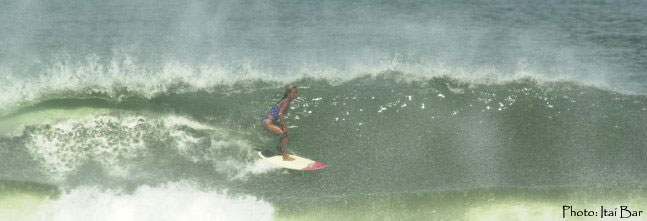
{"x":299,"y":163}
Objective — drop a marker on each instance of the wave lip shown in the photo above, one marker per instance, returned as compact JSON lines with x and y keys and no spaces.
{"x":124,"y":75}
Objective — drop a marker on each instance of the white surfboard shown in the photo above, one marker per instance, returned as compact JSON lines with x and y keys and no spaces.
{"x":299,"y":163}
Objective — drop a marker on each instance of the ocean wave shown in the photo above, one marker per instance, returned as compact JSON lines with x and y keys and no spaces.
{"x":449,"y":131}
{"x":124,"y":76}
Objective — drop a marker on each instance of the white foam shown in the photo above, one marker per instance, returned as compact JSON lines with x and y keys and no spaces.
{"x":66,"y":145}
{"x":116,"y":142}
{"x":176,"y":201}
{"x":258,"y":167}
{"x":174,"y":121}
{"x":99,"y":75}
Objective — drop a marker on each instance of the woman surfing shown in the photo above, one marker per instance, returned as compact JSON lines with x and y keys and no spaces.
{"x":274,"y":120}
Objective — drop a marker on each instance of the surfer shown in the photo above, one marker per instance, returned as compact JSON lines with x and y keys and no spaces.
{"x":275,"y":117}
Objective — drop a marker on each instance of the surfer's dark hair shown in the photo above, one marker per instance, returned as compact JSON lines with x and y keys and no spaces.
{"x":289,"y":89}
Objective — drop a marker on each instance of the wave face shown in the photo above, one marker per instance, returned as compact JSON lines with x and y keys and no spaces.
{"x":153,"y":109}
{"x":379,"y":134}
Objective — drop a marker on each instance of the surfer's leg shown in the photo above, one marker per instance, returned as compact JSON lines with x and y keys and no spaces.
{"x":283,"y":142}
{"x":269,"y":126}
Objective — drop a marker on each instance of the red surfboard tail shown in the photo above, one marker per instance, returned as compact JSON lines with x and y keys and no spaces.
{"x":316,"y":166}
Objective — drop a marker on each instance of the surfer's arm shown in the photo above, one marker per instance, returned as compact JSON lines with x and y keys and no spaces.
{"x":282,"y":107}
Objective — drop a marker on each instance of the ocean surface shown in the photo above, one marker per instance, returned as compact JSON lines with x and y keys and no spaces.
{"x":423,"y":110}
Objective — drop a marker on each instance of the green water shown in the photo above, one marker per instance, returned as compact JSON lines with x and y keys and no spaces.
{"x":396,"y":147}
{"x":482,"y":204}
{"x":423,"y":110}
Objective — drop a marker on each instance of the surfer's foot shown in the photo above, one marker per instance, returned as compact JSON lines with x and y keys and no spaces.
{"x":287,"y":158}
